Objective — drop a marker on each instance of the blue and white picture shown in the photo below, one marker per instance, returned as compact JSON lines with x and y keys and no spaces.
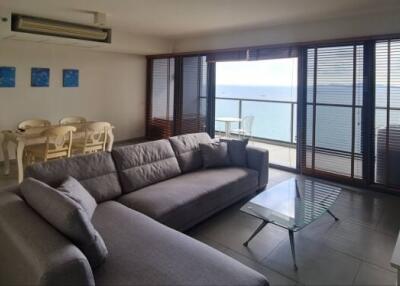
{"x":70,"y":78}
{"x":40,"y":77}
{"x":7,"y":76}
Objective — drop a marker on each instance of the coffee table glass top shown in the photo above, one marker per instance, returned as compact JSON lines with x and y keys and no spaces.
{"x":294,"y":203}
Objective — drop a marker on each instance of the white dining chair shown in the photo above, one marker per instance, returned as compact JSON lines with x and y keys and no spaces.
{"x":57,"y":145}
{"x":33,"y":123}
{"x":72,"y":120}
{"x":95,"y":138}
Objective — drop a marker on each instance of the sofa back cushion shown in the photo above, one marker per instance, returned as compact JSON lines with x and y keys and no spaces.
{"x":96,"y":172}
{"x":237,"y":151}
{"x":140,"y":165}
{"x":215,"y":155}
{"x":67,"y":216}
{"x":187,"y":150}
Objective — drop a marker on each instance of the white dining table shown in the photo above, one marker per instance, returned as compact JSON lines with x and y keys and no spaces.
{"x":33,"y":136}
{"x":228,"y":123}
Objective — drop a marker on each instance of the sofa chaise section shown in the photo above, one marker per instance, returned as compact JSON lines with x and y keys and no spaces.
{"x":32,"y":252}
{"x":147,"y":253}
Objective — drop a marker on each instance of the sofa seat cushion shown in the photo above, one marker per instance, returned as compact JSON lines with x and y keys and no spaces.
{"x":145,"y":252}
{"x":140,"y":165}
{"x":96,"y":172}
{"x":185,"y":200}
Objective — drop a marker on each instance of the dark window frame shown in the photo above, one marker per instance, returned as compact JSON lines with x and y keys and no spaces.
{"x":368,"y":118}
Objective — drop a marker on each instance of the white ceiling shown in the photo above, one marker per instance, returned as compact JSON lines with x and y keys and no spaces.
{"x":177,"y":19}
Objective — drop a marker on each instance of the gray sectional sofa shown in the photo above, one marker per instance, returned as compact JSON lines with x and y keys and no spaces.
{"x":146,"y":194}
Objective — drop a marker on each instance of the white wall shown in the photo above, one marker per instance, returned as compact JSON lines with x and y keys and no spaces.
{"x":111,"y":87}
{"x":356,"y":26}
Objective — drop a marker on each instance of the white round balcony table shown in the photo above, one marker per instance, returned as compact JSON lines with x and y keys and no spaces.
{"x":228,"y":122}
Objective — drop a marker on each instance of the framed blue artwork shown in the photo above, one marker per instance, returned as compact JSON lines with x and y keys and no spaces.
{"x":40,"y":77}
{"x":7,"y":76}
{"x":70,"y":78}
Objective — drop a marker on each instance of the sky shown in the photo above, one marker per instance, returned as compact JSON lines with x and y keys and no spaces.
{"x":279,"y":72}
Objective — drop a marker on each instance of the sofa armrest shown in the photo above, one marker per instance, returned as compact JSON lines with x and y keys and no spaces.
{"x":35,"y":253}
{"x":258,"y":159}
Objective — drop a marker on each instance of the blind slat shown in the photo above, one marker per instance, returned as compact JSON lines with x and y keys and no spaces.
{"x":387,"y":114}
{"x":178,"y":99}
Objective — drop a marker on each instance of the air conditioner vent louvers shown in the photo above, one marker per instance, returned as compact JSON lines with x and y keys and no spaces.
{"x":33,"y":25}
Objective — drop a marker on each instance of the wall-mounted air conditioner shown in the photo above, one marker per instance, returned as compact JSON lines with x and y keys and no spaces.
{"x":23,"y":27}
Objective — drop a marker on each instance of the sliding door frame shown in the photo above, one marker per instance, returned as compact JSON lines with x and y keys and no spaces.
{"x":211,"y":77}
{"x":368,"y":115}
{"x":303,"y":103}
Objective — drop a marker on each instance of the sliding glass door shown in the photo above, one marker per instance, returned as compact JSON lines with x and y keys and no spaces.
{"x":344,"y":125}
{"x":333,"y":109}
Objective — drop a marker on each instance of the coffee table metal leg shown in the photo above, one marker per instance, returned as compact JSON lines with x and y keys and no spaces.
{"x":291,"y":238}
{"x":259,"y":228}
{"x":332,"y":215}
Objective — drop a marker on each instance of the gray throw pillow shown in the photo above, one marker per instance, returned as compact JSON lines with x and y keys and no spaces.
{"x":67,"y":216}
{"x":75,"y":191}
{"x":237,"y":151}
{"x":214,"y":154}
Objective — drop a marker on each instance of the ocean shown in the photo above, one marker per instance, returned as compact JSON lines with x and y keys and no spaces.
{"x":272,"y":120}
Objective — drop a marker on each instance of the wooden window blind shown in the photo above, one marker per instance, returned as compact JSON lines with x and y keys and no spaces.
{"x":160,"y":110}
{"x":332,"y":135}
{"x":387,"y":112}
{"x":193,"y":99}
{"x":177,"y":96}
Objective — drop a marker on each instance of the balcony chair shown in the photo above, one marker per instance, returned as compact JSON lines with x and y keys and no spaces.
{"x":33,"y":123}
{"x":95,"y":138}
{"x":246,"y":129}
{"x":57,"y":145}
{"x":72,"y":120}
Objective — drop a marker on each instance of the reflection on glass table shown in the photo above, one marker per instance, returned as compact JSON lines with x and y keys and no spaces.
{"x":292,"y":204}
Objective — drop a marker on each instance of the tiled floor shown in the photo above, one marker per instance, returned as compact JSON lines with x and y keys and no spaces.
{"x":353,"y":251}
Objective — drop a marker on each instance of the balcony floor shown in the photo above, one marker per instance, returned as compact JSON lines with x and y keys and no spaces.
{"x":279,"y":155}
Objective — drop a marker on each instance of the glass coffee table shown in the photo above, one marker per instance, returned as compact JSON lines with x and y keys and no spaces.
{"x":292,"y":204}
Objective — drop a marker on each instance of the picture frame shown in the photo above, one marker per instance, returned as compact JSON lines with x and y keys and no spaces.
{"x":7,"y":77}
{"x":40,"y":77}
{"x":70,"y":78}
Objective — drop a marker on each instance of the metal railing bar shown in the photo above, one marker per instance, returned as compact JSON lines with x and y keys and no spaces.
{"x":256,"y":100}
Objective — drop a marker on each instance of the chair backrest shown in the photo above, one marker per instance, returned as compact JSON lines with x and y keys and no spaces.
{"x":96,"y":136}
{"x":72,"y":120}
{"x":33,"y":123}
{"x":247,"y":124}
{"x":58,"y":142}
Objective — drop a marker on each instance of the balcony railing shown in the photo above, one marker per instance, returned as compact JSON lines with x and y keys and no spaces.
{"x":273,"y":120}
